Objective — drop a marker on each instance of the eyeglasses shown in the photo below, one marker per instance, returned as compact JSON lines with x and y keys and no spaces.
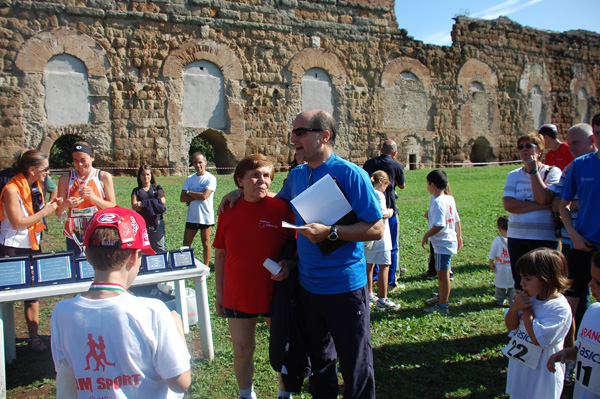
{"x":528,"y":146}
{"x":301,"y":131}
{"x":46,"y":169}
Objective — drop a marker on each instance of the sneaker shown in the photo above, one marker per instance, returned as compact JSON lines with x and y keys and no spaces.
{"x":432,"y":301}
{"x":569,"y":370}
{"x":386,"y":304}
{"x":437,"y":309}
{"x":36,"y":344}
{"x":373,"y":299}
{"x":431,"y":276}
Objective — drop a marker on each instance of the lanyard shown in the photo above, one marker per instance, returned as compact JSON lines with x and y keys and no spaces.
{"x":107,"y":287}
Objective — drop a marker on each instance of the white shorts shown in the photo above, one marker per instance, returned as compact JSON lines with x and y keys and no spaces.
{"x":379,"y":258}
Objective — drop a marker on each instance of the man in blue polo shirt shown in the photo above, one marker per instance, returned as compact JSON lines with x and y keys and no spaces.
{"x":333,"y":294}
{"x":393,"y":168}
{"x":583,"y":181}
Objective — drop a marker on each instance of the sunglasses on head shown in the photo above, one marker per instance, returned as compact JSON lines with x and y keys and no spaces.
{"x":528,"y":146}
{"x":301,"y":131}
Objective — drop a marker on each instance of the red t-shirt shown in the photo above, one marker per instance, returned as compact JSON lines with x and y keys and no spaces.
{"x":559,"y":158}
{"x":251,"y":232}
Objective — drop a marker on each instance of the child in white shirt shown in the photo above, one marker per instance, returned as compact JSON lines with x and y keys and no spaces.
{"x":379,"y":252}
{"x":500,"y":264}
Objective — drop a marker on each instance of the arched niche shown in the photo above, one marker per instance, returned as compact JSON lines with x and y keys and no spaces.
{"x":478,"y":112}
{"x":229,"y":141}
{"x":317,"y":58}
{"x":583,"y":89}
{"x":32,"y":59}
{"x":67,"y":91}
{"x":406,"y":104}
{"x":317,"y":90}
{"x":536,"y":90}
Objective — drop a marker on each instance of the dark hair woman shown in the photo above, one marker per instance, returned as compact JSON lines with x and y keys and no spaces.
{"x":22,"y":210}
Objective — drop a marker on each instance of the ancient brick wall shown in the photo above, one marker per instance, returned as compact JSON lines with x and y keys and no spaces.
{"x":467,"y":102}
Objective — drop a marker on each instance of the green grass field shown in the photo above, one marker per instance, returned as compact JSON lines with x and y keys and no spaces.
{"x":416,"y":355}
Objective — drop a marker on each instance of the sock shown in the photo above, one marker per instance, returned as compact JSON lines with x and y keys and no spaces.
{"x":283,"y":394}
{"x":443,"y":306}
{"x":247,"y":393}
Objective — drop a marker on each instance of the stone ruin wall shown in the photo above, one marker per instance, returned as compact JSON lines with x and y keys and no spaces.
{"x":467,"y":102}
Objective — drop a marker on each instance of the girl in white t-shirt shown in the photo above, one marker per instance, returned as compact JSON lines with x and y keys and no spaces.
{"x":586,"y":351}
{"x":444,"y":233}
{"x":379,"y":252}
{"x":542,"y":317}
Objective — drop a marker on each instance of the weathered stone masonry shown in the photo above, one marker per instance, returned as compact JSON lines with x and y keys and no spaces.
{"x":467,"y":102}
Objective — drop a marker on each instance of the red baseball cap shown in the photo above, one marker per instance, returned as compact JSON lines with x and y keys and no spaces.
{"x":131,"y":225}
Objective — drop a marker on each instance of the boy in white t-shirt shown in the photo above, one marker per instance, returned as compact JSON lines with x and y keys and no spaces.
{"x":108,"y":343}
{"x":500,"y":264}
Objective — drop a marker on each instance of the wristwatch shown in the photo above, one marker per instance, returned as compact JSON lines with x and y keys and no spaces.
{"x":333,"y":234}
{"x":187,"y":192}
{"x":533,"y":171}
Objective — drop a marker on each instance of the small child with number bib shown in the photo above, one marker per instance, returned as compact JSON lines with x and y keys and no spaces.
{"x":587,"y":346}
{"x":543,"y":317}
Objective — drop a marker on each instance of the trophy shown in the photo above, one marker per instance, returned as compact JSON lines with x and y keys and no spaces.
{"x":75,"y":223}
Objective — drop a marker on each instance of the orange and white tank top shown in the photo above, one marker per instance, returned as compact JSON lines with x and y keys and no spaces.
{"x":87,"y":208}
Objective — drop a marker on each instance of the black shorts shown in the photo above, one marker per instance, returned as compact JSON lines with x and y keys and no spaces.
{"x":198,"y":226}
{"x":579,"y":263}
{"x":238,"y":314}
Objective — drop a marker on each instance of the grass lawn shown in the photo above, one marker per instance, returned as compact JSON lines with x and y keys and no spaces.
{"x":416,"y":355}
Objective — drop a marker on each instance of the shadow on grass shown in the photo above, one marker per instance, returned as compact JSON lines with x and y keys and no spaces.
{"x":442,"y":368}
{"x":29,"y":367}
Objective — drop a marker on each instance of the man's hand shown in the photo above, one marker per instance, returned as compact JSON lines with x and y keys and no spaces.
{"x":315,"y":232}
{"x":230,"y":198}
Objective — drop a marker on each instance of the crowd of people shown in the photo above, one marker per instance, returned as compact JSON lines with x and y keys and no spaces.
{"x":137,"y":345}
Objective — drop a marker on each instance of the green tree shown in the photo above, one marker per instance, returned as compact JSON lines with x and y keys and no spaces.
{"x":203,"y":146}
{"x":60,"y":153}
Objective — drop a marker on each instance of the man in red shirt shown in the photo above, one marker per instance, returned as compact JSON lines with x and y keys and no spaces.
{"x":558,"y":152}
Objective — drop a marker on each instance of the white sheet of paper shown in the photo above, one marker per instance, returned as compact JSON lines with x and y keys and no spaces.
{"x":292,"y":226}
{"x":322,"y":202}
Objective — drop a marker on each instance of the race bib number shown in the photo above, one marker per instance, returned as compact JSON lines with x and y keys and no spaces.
{"x":587,"y":370}
{"x":85,"y":212}
{"x":521,"y":348}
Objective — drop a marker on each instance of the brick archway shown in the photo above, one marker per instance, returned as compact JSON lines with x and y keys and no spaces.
{"x":229,"y":143}
{"x":32,"y":59}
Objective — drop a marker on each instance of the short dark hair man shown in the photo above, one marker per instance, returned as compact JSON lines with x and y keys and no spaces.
{"x":333,"y":294}
{"x":558,"y":152}
{"x":387,"y":162}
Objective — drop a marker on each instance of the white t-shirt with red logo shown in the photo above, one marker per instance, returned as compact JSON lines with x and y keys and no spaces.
{"x":442,"y":212}
{"x":499,"y":254}
{"x":119,"y":347}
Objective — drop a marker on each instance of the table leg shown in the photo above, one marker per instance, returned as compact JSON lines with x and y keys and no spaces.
{"x":3,"y":307}
{"x":206,"y":340}
{"x":181,"y":301}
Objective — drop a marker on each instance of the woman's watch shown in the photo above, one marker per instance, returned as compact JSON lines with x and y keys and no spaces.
{"x":333,"y":234}
{"x":533,"y":171}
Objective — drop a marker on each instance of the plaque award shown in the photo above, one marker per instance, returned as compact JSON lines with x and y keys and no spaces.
{"x":54,"y":267}
{"x":182,"y":259}
{"x":155,"y":263}
{"x":15,"y":272}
